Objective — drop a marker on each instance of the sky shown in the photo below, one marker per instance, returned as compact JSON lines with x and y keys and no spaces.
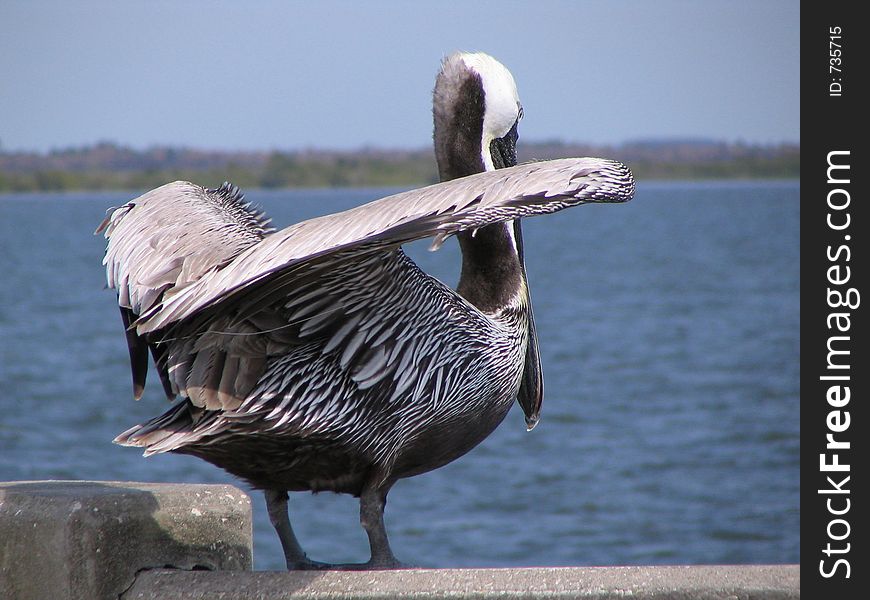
{"x":285,"y":75}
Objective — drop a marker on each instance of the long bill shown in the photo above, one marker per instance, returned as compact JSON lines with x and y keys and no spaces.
{"x":531,"y":394}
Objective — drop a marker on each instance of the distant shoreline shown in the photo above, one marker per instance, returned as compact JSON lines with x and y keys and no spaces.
{"x":108,"y":166}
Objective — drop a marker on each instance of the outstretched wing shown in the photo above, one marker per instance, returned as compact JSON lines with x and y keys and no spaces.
{"x":219,"y":302}
{"x":171,"y":237}
{"x":436,"y":211}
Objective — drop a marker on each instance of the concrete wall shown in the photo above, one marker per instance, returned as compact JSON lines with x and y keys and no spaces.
{"x":88,"y":539}
{"x":98,"y":540}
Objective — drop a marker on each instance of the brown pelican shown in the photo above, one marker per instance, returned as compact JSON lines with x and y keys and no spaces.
{"x":320,"y":357}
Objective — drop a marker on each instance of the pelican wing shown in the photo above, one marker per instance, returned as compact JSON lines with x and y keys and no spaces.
{"x":436,"y":211}
{"x":172,"y":236}
{"x":370,"y":336}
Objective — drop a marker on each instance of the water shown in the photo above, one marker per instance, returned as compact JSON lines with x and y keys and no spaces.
{"x":669,"y":332}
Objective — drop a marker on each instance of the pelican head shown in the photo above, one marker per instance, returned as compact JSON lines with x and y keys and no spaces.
{"x":476,"y":111}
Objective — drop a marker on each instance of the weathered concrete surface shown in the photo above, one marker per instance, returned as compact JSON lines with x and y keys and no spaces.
{"x":770,"y":582}
{"x":88,"y":539}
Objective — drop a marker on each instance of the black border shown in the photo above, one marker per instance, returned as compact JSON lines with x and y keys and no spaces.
{"x":832,"y":123}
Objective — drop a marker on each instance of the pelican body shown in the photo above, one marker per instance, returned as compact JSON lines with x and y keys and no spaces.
{"x":320,"y":357}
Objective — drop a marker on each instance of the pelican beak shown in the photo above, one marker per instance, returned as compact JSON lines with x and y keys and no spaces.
{"x":531,"y":394}
{"x":503,"y":150}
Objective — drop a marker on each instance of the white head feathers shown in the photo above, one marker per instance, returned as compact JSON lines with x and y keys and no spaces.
{"x":503,"y":106}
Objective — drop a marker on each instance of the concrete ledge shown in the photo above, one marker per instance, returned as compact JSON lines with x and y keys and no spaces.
{"x":88,"y":539}
{"x":143,"y":541}
{"x":773,"y":582}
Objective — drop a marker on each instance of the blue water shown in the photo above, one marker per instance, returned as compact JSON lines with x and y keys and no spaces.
{"x":669,"y":332}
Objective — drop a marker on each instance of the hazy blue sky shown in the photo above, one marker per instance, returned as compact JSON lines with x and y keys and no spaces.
{"x":270,"y":74}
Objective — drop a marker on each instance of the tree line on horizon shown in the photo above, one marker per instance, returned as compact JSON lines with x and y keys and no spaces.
{"x":108,"y":166}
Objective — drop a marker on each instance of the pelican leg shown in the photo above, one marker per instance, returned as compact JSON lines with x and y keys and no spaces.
{"x":372,"y":502}
{"x":276,"y":505}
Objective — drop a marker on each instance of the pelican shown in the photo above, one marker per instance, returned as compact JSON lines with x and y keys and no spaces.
{"x":320,"y":357}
